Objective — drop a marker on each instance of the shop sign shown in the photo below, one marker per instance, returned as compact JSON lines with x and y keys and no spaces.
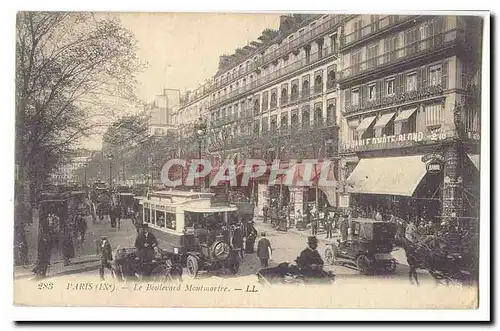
{"x":344,"y":201}
{"x":396,"y":140}
{"x":434,"y":162}
{"x":434,"y":167}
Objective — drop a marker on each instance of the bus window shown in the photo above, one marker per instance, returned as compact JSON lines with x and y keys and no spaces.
{"x":147,"y":215}
{"x":160,"y":218}
{"x":170,"y":221}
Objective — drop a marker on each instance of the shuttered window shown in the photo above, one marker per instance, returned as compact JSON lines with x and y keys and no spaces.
{"x":355,"y":97}
{"x":435,"y":76}
{"x":433,"y":115}
{"x":444,"y":75}
{"x":330,"y":111}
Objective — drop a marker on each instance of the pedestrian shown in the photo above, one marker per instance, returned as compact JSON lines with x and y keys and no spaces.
{"x":82,"y":227}
{"x":264,"y":251}
{"x":106,"y":255}
{"x":265,"y":212}
{"x":314,"y":226}
{"x":237,"y":241}
{"x":250,"y":239}
{"x":344,"y":227}
{"x":378,"y":216}
{"x":329,"y":226}
{"x":298,"y":219}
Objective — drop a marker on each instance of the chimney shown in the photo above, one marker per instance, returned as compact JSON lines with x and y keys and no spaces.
{"x":286,"y":23}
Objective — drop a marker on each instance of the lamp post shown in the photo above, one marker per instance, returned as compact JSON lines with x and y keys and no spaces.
{"x":201,"y":131}
{"x":110,"y":158}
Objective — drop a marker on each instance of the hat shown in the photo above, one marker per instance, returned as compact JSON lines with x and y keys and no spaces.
{"x":312,"y":240}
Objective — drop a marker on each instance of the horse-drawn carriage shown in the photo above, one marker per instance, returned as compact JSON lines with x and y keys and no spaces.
{"x":126,"y":201}
{"x":369,"y":248}
{"x":101,"y":199}
{"x":165,"y":266}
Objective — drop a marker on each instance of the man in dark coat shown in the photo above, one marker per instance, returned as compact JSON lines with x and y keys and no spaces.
{"x":329,"y":225}
{"x":309,"y":261}
{"x":263,"y":250}
{"x":104,"y":249}
{"x":251,"y":236}
{"x":265,"y":211}
{"x":145,"y":244}
{"x":344,"y":227}
{"x":237,"y":241}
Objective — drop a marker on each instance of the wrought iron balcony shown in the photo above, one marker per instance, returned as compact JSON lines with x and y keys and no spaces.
{"x":292,"y":67}
{"x":435,"y":42}
{"x":379,"y":25}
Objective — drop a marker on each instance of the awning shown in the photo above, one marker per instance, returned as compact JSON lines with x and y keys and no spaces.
{"x":390,"y":175}
{"x":405,"y":114}
{"x":383,"y":120}
{"x":365,"y":123}
{"x":475,"y":158}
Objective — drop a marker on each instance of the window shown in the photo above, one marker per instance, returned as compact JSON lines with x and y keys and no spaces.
{"x":305,"y":88}
{"x":330,"y":82}
{"x":295,"y":119}
{"x":435,"y":75}
{"x":318,"y":114}
{"x":372,"y":92}
{"x":265,"y":101}
{"x":256,"y":107}
{"x":330,"y":111}
{"x":265,"y":124}
{"x":371,"y":55}
{"x":355,"y":97}
{"x":411,"y":82}
{"x":274,"y":123}
{"x":284,"y":121}
{"x":390,"y":86}
{"x":295,"y":91}
{"x":274,"y":102}
{"x":306,"y":117}
{"x":318,"y":83}
{"x":284,"y":95}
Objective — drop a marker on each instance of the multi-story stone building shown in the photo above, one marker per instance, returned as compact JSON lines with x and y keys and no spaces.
{"x":161,"y":110}
{"x":276,"y":98}
{"x":410,"y":113}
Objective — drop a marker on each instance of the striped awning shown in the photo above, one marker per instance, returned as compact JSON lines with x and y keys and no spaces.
{"x":405,"y":114}
{"x":365,"y":124}
{"x":383,"y":120}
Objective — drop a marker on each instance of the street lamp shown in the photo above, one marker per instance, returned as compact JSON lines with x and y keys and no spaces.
{"x":201,"y":131}
{"x":110,"y":158}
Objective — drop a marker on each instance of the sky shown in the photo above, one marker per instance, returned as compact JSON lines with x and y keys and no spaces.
{"x":182,"y":49}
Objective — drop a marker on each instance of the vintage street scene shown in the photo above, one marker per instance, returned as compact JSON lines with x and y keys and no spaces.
{"x":282,"y":149}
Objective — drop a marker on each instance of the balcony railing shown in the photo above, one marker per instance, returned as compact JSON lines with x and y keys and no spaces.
{"x":406,"y":52}
{"x":283,"y":49}
{"x":373,"y":27}
{"x":292,"y":67}
{"x":400,"y":96}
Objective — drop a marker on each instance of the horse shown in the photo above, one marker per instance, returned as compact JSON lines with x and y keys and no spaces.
{"x":431,"y":253}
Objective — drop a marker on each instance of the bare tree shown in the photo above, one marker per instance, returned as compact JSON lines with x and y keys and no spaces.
{"x":70,"y":68}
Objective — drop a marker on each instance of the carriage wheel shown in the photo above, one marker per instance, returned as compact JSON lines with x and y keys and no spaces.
{"x":192,"y":266}
{"x":364,"y":264}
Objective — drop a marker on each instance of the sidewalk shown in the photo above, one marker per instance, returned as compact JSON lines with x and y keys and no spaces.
{"x":86,"y":258}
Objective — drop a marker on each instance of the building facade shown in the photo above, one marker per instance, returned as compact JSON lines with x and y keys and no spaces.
{"x":410,"y":113}
{"x":161,"y":110}
{"x":274,"y":99}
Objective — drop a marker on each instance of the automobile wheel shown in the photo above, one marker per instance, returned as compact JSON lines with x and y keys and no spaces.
{"x":364,"y":265}
{"x":192,"y":266}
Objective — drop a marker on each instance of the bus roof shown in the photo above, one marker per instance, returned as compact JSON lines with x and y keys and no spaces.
{"x":181,"y":193}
